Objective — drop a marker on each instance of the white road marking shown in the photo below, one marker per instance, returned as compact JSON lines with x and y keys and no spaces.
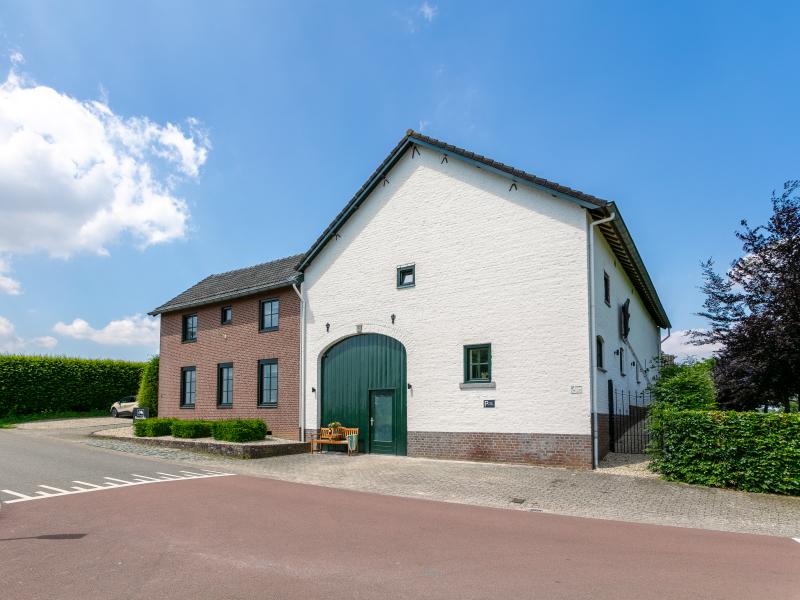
{"x":17,"y":494}
{"x":50,"y":487}
{"x":115,"y":479}
{"x":110,"y":485}
{"x":97,"y":487}
{"x":796,"y":540}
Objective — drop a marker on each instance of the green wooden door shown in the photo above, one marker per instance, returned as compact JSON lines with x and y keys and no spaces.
{"x":382,"y":438}
{"x":351,"y":371}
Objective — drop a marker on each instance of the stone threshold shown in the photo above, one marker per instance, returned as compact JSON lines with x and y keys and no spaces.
{"x":264,"y":449}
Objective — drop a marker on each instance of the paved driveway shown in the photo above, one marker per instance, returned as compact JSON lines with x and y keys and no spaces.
{"x":598,"y":494}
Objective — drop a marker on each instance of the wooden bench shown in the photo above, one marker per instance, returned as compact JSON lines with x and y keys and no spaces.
{"x":326,"y":437}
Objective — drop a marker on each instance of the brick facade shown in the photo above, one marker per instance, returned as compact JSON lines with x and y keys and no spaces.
{"x":562,"y":450}
{"x":239,"y":343}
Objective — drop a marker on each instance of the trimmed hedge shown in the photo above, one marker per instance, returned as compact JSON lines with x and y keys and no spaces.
{"x":239,"y":430}
{"x":754,"y":452}
{"x":43,"y":384}
{"x":191,"y":428}
{"x":148,"y":387}
{"x":153,"y":427}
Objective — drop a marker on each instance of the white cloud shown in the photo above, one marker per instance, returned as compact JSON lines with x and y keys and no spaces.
{"x":45,"y":341}
{"x":16,"y":57}
{"x":7,"y":284}
{"x":428,"y":11}
{"x":76,"y":177}
{"x":10,"y":342}
{"x":679,"y":344}
{"x":137,"y":330}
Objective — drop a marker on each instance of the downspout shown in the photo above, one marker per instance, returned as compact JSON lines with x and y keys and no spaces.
{"x":302,"y":400}
{"x":593,"y":343}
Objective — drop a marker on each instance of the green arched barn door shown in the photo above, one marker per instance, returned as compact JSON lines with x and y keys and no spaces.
{"x":364,"y":386}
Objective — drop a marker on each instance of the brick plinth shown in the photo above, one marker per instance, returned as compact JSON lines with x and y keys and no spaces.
{"x":565,"y":450}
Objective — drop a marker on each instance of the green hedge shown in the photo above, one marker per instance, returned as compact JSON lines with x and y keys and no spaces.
{"x":191,"y":428}
{"x":749,"y":451}
{"x":147,"y":397}
{"x":153,"y":427}
{"x":239,"y":430}
{"x":43,"y":384}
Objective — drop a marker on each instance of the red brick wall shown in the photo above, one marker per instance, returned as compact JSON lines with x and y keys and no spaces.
{"x":239,"y":343}
{"x":562,"y":450}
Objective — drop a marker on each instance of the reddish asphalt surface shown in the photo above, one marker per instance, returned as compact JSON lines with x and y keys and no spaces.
{"x":242,"y":537}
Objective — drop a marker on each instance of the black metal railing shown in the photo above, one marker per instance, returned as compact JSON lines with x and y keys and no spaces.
{"x":627,"y":421}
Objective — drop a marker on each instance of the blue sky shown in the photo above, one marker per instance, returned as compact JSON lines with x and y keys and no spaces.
{"x":683,"y":113}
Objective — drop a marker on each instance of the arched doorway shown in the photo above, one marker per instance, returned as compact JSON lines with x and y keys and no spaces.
{"x":364,"y":386}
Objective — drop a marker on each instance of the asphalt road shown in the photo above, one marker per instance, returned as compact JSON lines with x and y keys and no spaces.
{"x":29,"y":459}
{"x":242,"y":537}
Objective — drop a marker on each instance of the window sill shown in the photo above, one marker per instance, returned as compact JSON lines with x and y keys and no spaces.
{"x":608,"y":304}
{"x":227,"y":323}
{"x":224,"y":405}
{"x":266,"y":406}
{"x":405,"y":287}
{"x":478,"y":385}
{"x":601,"y":369}
{"x":265,"y":330}
{"x":189,"y":406}
{"x":189,"y":341}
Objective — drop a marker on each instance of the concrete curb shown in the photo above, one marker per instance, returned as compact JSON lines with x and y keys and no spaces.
{"x":221,"y":448}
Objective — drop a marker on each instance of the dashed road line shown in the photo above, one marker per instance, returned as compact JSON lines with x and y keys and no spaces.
{"x":112,"y":483}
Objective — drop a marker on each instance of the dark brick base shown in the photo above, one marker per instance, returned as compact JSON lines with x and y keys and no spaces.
{"x":563,"y":450}
{"x":603,"y":435}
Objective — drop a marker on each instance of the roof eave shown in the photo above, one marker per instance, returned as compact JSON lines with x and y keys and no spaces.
{"x":164,"y":309}
{"x":650,"y":296}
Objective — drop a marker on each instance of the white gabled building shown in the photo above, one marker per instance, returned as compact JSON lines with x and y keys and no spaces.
{"x":448,"y":312}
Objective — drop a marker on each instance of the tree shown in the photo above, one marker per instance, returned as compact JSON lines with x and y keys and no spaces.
{"x":148,"y":387}
{"x":754,"y":311}
{"x":687,"y":386}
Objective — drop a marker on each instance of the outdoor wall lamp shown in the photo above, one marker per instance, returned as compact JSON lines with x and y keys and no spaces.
{"x":393,"y":317}
{"x":616,"y":352}
{"x":410,"y":386}
{"x":313,"y":390}
{"x":327,"y":327}
{"x":633,"y":363}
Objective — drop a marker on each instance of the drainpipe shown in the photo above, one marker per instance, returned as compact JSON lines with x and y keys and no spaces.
{"x":593,"y":342}
{"x":302,"y":362}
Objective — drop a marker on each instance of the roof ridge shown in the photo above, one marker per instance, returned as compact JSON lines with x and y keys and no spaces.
{"x":266,"y":262}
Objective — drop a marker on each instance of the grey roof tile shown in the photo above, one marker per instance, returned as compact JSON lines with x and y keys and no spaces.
{"x":235,"y":284}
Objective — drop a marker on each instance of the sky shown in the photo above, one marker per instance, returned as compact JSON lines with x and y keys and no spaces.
{"x":146,"y":145}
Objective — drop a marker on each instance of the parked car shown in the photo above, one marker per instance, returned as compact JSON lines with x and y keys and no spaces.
{"x":124,"y":407}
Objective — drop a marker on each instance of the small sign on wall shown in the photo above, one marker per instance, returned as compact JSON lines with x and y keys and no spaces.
{"x":488,"y":404}
{"x":576,"y":389}
{"x":140,"y":413}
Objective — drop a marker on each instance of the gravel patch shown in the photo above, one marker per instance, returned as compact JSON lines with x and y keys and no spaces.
{"x":70,"y":423}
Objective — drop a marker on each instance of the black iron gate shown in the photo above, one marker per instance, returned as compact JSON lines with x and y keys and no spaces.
{"x":627,"y":421}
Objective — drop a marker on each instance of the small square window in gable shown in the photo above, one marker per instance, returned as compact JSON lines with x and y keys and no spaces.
{"x":406,"y":276}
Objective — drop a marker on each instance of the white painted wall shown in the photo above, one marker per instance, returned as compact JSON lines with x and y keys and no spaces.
{"x":492,"y":265}
{"x":643,"y":339}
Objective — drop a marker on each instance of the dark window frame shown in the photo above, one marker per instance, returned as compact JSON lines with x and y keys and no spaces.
{"x":277,"y":315}
{"x":261,"y":364}
{"x":404,"y":269}
{"x":220,"y":368}
{"x":222,"y":319}
{"x":607,"y":288}
{"x":185,"y":328}
{"x":183,"y":403}
{"x":468,"y":365}
{"x":622,"y":361}
{"x":600,"y":347}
